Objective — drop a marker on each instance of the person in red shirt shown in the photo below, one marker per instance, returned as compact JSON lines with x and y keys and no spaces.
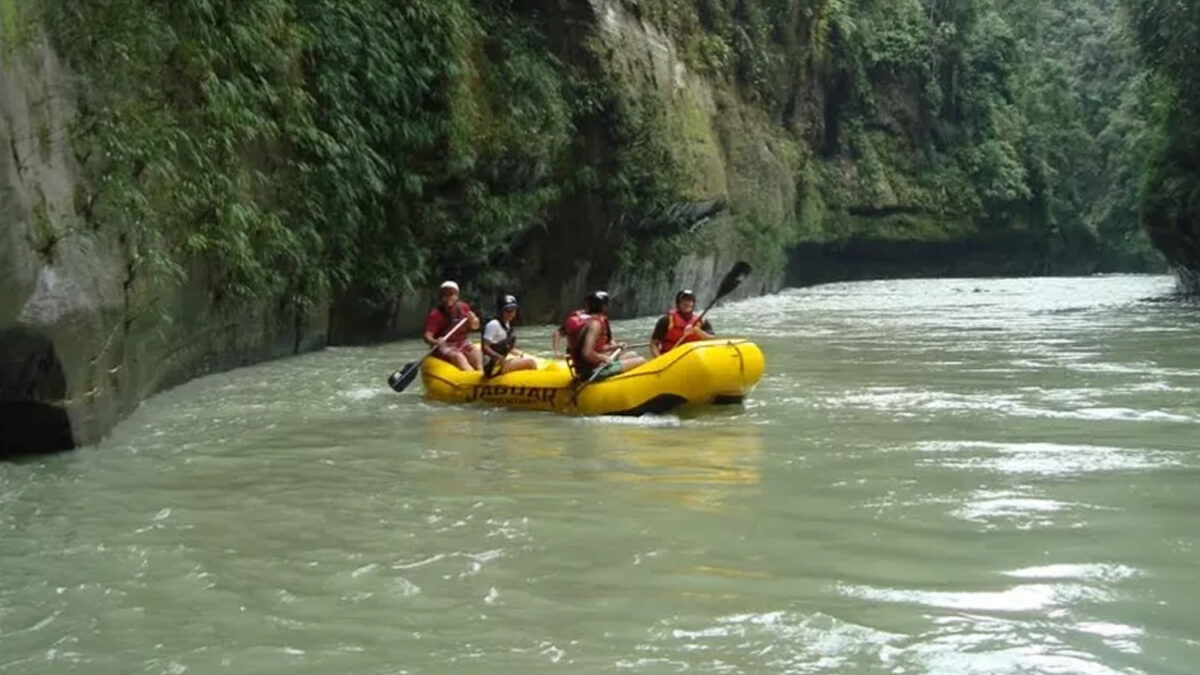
{"x":456,"y":347}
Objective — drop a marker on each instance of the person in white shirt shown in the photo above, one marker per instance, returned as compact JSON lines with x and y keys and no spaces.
{"x":499,"y":340}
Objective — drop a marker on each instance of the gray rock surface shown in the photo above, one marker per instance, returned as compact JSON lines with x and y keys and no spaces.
{"x":86,"y":337}
{"x":82,"y":340}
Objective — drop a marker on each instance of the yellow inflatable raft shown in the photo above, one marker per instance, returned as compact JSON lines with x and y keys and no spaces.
{"x":696,"y":374}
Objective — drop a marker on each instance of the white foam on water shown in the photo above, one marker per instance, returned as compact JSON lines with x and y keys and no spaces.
{"x":365,"y":393}
{"x":648,"y":421}
{"x":1023,"y":598}
{"x":1047,"y":458}
{"x":1083,"y":572}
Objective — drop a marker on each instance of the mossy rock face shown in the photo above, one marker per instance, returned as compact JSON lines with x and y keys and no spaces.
{"x":720,"y":148}
{"x":10,"y":28}
{"x":276,"y":158}
{"x":84,"y":338}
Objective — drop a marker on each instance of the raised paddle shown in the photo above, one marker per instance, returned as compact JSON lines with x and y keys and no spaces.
{"x":400,"y":379}
{"x":732,"y":280}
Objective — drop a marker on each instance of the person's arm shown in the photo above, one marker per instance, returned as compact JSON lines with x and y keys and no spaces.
{"x":589,"y":352}
{"x":473,"y":324}
{"x":694,"y":329}
{"x":488,"y":341}
{"x":613,"y":346}
{"x":431,"y":328}
{"x":656,"y":338}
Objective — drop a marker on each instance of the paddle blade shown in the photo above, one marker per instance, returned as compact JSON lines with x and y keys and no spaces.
{"x":400,"y":379}
{"x":734,"y":278}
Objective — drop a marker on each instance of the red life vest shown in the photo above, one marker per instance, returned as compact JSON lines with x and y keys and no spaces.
{"x":676,"y":324}
{"x":459,"y":337}
{"x":574,"y":324}
{"x":573,"y":327}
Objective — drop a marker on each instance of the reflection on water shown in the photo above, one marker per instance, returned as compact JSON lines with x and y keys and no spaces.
{"x":694,"y":465}
{"x":984,"y":476}
{"x":697,"y":467}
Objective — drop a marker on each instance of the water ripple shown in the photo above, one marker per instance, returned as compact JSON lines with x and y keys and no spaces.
{"x":935,"y":476}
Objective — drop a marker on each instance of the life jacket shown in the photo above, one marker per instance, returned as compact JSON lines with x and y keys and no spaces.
{"x":573,"y":327}
{"x":676,"y":325}
{"x":502,"y":347}
{"x":575,"y":322}
{"x":510,"y":337}
{"x":452,"y":319}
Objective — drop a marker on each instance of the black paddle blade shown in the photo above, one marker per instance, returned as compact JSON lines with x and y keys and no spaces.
{"x":400,"y":379}
{"x":734,"y":278}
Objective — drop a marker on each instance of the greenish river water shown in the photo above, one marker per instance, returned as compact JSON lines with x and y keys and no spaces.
{"x":955,"y":476}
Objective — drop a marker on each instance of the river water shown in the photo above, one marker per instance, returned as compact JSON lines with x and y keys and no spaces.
{"x":954,"y":476}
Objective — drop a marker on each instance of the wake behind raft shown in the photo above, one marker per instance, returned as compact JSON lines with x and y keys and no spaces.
{"x":709,"y":372}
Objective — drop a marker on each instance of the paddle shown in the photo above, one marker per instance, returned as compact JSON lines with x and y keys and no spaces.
{"x":732,"y":280}
{"x":400,"y":379}
{"x":615,"y":355}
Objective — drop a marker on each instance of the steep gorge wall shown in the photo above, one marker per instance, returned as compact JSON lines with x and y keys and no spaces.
{"x":83,"y":339}
{"x":89,"y":328}
{"x":196,"y":186}
{"x":736,"y":179}
{"x":1168,"y":34}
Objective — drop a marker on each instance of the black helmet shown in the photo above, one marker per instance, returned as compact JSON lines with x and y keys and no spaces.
{"x":597,"y":301}
{"x":505,"y":301}
{"x":685,"y":293}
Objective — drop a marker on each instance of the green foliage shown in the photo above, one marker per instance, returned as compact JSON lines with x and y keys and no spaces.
{"x":1084,"y":98}
{"x":184,"y":125}
{"x":18,"y":25}
{"x":9,"y":21}
{"x":443,"y":134}
{"x":294,"y":145}
{"x":897,"y":36}
{"x":299,"y":146}
{"x":1168,"y":35}
{"x":1011,"y":110}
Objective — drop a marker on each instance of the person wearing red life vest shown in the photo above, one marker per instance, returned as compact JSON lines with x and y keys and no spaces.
{"x":590,"y":346}
{"x":454,"y":347}
{"x":679,"y":326}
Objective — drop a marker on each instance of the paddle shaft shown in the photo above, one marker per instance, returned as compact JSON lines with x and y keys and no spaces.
{"x":400,"y":380}
{"x":733,"y":278}
{"x":691,"y":326}
{"x":596,"y":373}
{"x":440,"y":341}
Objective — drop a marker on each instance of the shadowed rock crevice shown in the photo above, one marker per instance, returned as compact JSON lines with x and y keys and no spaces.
{"x":32,"y":388}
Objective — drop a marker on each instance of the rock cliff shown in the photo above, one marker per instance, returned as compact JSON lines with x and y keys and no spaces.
{"x":189,"y":187}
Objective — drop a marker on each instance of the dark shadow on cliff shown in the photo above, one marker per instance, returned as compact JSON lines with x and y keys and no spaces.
{"x":1001,"y":254}
{"x":32,"y":388}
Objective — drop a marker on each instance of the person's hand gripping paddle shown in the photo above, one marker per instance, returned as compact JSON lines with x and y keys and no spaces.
{"x":732,"y":280}
{"x":400,"y":379}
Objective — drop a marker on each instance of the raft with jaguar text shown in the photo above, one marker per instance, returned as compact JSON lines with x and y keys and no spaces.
{"x":710,"y":372}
